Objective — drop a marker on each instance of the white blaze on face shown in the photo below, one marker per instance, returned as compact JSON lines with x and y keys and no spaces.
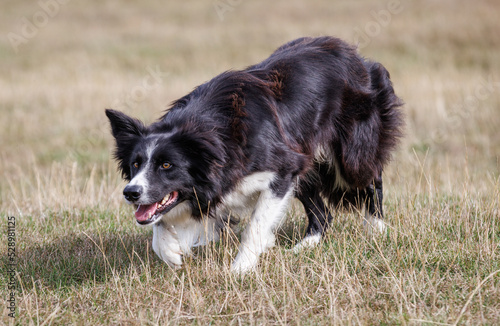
{"x":141,"y":178}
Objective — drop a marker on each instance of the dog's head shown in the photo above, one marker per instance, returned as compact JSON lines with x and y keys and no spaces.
{"x":165,"y":166}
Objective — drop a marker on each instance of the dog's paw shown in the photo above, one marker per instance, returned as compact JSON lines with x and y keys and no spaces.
{"x":374,"y":226}
{"x":166,"y":246}
{"x":244,"y":263}
{"x":170,"y":254}
{"x":172,"y":258}
{"x":309,"y":241}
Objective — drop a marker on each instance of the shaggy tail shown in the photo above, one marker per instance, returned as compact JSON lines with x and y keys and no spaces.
{"x":361,"y":161}
{"x":386,"y":101}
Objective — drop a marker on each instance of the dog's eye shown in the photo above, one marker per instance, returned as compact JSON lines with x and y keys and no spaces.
{"x":135,"y":165}
{"x":166,"y":166}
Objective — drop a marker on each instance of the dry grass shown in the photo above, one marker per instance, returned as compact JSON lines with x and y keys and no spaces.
{"x":82,"y":260}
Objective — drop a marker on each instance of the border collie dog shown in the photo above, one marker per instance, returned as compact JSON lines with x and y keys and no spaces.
{"x":314,"y":121}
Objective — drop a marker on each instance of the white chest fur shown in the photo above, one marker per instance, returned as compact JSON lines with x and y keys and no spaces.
{"x":178,"y":232}
{"x":241,"y":201}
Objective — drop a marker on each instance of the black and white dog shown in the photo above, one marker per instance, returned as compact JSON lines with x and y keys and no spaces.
{"x":314,"y":121}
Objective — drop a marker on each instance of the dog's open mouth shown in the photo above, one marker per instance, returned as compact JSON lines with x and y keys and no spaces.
{"x":146,"y":214}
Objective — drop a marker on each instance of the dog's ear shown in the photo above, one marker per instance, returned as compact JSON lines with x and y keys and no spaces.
{"x":127,"y":132}
{"x":123,"y":124}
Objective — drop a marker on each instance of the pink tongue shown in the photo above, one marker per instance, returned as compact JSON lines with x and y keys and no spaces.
{"x":143,"y":211}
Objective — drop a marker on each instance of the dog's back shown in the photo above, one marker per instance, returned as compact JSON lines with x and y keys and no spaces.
{"x":348,"y":115}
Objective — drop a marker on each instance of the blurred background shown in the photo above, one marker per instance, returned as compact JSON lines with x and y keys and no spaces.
{"x":64,"y":61}
{"x":80,"y":253}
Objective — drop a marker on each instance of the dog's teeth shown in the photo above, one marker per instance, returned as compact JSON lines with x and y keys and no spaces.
{"x":165,"y":199}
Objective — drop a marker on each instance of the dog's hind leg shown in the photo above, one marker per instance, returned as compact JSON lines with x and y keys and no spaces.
{"x":317,"y":213}
{"x":373,"y":207}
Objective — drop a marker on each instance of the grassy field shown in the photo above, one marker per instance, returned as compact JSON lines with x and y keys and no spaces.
{"x":82,"y":260}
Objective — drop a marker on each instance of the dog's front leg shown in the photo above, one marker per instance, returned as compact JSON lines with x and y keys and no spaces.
{"x":166,"y":244}
{"x":259,"y":234}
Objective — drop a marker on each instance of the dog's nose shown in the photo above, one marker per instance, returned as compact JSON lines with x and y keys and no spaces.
{"x":132,"y":192}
